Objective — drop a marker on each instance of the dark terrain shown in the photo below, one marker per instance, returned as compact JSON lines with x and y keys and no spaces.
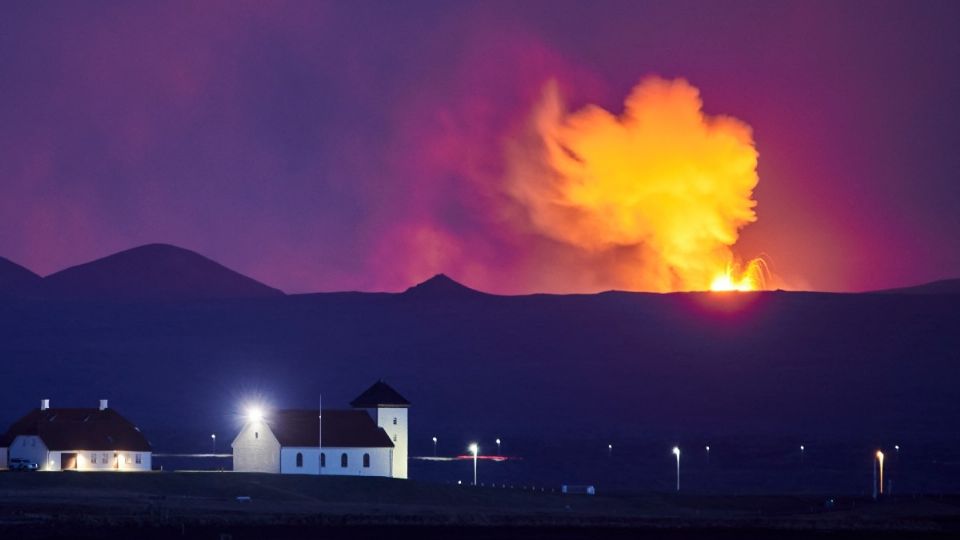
{"x":556,"y":376}
{"x":205,"y":505}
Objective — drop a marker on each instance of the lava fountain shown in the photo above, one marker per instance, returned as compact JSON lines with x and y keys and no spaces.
{"x":658,"y":193}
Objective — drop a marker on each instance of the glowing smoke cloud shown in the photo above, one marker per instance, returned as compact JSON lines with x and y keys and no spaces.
{"x":663,"y":186}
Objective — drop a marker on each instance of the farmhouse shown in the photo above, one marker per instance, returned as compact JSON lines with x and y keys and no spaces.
{"x":82,"y":439}
{"x":329,"y":442}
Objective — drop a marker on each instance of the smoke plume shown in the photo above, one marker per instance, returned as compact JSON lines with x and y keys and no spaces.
{"x":658,"y":194}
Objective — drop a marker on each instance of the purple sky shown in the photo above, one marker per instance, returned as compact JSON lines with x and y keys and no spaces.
{"x":358,"y":145}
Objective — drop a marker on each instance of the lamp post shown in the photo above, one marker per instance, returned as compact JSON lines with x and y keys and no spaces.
{"x":434,"y":446}
{"x":880,"y":464}
{"x":609,"y":450}
{"x":475,"y":450}
{"x":801,"y":454}
{"x":676,"y":452}
{"x":213,"y":436}
{"x":708,"y":453}
{"x":498,"y":447}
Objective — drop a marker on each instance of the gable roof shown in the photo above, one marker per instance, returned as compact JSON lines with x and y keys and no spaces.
{"x":79,"y":429}
{"x":341,"y":429}
{"x":379,"y":395}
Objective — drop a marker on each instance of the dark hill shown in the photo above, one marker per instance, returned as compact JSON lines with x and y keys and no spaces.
{"x":944,"y":286}
{"x":440,"y":286}
{"x":15,"y":279}
{"x":154,"y":272}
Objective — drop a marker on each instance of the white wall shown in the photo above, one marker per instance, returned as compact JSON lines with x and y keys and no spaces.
{"x":380,"y":461}
{"x":29,"y":447}
{"x":106,"y":460}
{"x":394,"y":422}
{"x":256,"y":449}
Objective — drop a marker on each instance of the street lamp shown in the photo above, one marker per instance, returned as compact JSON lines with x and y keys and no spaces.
{"x":880,"y":463}
{"x":676,"y":452}
{"x":475,"y":450}
{"x":434,"y":446}
{"x":214,"y":437}
{"x":610,"y":450}
{"x":498,"y":447}
{"x":708,"y":453}
{"x":801,"y":453}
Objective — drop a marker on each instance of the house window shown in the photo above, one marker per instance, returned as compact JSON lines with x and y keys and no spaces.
{"x":33,"y":442}
{"x":299,"y":459}
{"x":93,"y":459}
{"x":103,"y":458}
{"x":394,"y":420}
{"x":366,"y":460}
{"x":256,"y":434}
{"x":323,"y":459}
{"x":394,"y":437}
{"x":137,"y":458}
{"x":343,"y":460}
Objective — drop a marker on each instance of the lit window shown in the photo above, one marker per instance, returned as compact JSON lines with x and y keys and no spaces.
{"x":299,"y":459}
{"x":366,"y":460}
{"x":343,"y":460}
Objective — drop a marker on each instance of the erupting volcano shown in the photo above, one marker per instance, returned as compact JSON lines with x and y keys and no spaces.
{"x":659,"y":193}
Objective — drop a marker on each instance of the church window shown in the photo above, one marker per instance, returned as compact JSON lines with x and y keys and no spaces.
{"x":299,"y":459}
{"x":323,"y":459}
{"x":343,"y":460}
{"x":366,"y":460}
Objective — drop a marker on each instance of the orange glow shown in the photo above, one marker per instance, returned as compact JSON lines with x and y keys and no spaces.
{"x":753,"y":277}
{"x":655,"y":197}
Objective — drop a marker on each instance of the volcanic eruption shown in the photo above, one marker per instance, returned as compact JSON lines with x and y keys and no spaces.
{"x":662,"y":186}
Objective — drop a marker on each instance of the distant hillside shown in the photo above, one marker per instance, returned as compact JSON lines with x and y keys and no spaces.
{"x":944,"y":286}
{"x":15,"y":279}
{"x":154,"y":272}
{"x":440,"y":286}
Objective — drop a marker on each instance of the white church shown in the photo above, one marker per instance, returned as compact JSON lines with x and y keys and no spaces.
{"x":329,"y":442}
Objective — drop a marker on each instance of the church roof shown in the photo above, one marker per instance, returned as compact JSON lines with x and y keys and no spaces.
{"x":380,"y":395}
{"x":79,"y":429}
{"x":341,"y":429}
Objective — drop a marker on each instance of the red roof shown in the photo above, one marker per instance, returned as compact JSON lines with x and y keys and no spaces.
{"x":79,"y":429}
{"x":341,"y":429}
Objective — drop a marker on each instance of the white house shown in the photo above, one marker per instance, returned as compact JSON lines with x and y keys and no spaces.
{"x":336,"y":442}
{"x":82,"y":439}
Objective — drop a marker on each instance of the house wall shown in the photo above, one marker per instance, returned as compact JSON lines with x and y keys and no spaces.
{"x":29,"y":447}
{"x":3,"y":458}
{"x":106,"y":460}
{"x":394,"y":422}
{"x":256,"y":449}
{"x":380,"y":461}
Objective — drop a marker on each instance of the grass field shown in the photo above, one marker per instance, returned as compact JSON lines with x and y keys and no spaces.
{"x":205,"y":505}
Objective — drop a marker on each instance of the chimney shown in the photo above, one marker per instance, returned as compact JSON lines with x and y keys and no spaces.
{"x":103,"y":404}
{"x":44,"y":404}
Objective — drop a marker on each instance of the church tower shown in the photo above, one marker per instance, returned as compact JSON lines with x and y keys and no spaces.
{"x":391,"y":415}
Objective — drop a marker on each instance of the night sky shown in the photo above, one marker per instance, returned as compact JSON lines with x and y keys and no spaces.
{"x":360,"y":145}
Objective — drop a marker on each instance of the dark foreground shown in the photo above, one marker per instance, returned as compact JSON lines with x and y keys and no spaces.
{"x":205,"y":505}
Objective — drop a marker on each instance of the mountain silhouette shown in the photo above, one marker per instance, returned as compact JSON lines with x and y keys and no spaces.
{"x":440,"y":286}
{"x":943,"y":286}
{"x":15,"y":279}
{"x":154,"y":272}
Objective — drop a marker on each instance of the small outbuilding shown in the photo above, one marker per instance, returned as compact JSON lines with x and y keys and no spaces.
{"x":80,"y":439}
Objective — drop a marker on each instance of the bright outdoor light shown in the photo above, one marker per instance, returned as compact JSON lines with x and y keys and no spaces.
{"x":475,"y":450}
{"x":254,"y":413}
{"x":880,"y":463}
{"x":676,"y":452}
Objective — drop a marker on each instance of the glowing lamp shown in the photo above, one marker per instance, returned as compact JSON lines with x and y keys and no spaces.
{"x":254,"y":414}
